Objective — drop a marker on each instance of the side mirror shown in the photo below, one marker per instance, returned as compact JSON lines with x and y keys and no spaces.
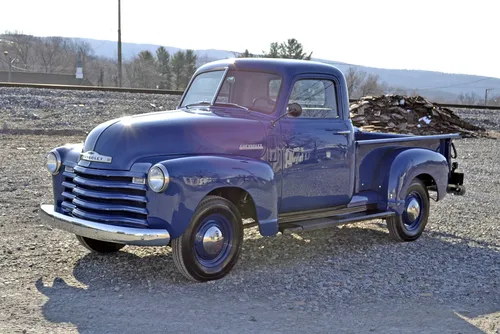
{"x":294,"y":109}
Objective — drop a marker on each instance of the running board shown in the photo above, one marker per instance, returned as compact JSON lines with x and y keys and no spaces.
{"x":300,"y":216}
{"x":320,"y":223}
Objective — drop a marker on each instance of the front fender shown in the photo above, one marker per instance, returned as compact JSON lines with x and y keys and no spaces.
{"x":192,"y":178}
{"x":409,"y":164}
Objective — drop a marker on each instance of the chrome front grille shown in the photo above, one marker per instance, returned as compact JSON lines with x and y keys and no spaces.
{"x":104,"y":196}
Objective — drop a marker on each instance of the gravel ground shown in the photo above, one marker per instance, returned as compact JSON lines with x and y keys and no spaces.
{"x":348,"y":279}
{"x":489,"y":119}
{"x":80,"y":111}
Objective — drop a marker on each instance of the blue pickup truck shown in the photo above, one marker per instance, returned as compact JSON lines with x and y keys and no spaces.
{"x":253,"y":142}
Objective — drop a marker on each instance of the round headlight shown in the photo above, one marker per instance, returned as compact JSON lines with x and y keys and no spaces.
{"x":158,"y":178}
{"x":53,"y":162}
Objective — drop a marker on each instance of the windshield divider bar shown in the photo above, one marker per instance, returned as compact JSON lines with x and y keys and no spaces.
{"x":219,"y":87}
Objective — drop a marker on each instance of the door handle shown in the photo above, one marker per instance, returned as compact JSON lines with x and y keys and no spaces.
{"x":345,"y":132}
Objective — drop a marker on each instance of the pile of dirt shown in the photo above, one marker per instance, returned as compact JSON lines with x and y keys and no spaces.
{"x":409,"y":115}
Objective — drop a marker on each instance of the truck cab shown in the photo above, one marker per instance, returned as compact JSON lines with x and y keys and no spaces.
{"x":264,"y":142}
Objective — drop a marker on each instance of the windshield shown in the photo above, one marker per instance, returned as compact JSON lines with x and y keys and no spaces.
{"x":256,"y":91}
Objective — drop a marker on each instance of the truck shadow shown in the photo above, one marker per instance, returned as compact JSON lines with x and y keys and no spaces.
{"x":125,"y":291}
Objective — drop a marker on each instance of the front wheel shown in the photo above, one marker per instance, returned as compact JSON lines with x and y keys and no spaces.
{"x":99,"y":246}
{"x":410,"y":225}
{"x":211,"y":245}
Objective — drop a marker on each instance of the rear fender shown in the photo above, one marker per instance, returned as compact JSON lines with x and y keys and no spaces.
{"x":192,"y":178}
{"x":409,"y":164}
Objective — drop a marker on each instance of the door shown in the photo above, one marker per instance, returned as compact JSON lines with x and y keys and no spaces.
{"x":316,"y":148}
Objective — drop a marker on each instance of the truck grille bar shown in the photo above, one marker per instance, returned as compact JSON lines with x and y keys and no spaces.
{"x":104,"y":196}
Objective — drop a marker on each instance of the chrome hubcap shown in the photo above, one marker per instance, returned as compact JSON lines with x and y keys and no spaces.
{"x":413,"y":210}
{"x":213,"y":240}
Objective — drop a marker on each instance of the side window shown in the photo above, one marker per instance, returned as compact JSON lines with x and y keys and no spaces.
{"x":317,"y":98}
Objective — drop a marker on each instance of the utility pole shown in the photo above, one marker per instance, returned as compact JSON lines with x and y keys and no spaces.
{"x":10,"y":60}
{"x":119,"y":44}
{"x":486,"y":95}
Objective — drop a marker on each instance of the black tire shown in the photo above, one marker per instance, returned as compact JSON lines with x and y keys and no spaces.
{"x":200,"y":258}
{"x":99,"y":246}
{"x":404,"y":227}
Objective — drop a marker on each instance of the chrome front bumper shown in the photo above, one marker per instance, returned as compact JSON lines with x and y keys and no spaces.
{"x":104,"y":232}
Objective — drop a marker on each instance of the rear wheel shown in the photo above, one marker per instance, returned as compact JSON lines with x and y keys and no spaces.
{"x":410,"y":225}
{"x":99,"y":246}
{"x":211,"y":245}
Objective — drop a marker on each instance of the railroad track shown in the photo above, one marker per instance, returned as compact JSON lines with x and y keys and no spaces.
{"x":180,"y":92}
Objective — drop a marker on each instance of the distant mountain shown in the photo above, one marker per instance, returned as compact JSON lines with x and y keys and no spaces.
{"x":108,"y":49}
{"x":434,"y":85}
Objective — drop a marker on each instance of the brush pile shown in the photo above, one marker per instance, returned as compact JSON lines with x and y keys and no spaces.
{"x":409,"y":115}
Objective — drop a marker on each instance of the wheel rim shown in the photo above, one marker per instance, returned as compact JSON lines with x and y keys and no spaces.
{"x":213,"y":241}
{"x":412,"y":216}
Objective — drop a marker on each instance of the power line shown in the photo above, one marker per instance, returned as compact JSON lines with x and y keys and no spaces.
{"x":440,"y":87}
{"x":456,"y":85}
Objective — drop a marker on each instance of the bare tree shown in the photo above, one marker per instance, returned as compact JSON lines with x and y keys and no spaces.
{"x":469,"y":98}
{"x":21,"y":47}
{"x":142,"y":71}
{"x":371,"y":86}
{"x":92,"y":69}
{"x":54,"y":54}
{"x":354,"y":78}
{"x":494,"y":100}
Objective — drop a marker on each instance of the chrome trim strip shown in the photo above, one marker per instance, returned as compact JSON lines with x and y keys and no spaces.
{"x":81,"y":180}
{"x":104,"y":172}
{"x":104,"y":232}
{"x":70,"y":175}
{"x":68,"y":195}
{"x":405,"y":138}
{"x":107,"y":207}
{"x":104,"y":218}
{"x":108,"y":196}
{"x":67,"y":205}
{"x":68,"y":185}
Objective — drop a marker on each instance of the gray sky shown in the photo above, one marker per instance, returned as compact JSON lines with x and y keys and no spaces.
{"x":442,"y":35}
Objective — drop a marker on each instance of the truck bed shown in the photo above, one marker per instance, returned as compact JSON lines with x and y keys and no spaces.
{"x":373,"y":149}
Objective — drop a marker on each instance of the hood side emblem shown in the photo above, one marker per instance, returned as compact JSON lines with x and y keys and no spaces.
{"x":95,"y":157}
{"x":246,"y":147}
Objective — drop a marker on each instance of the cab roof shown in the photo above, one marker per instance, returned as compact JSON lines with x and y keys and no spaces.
{"x":285,"y":67}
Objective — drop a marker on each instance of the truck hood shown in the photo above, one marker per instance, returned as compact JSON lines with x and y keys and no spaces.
{"x":155,"y":136}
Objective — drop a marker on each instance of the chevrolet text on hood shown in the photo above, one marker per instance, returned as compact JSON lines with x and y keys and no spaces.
{"x":253,"y":142}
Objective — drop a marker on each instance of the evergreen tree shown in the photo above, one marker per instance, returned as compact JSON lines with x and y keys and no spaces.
{"x":164,"y":70}
{"x":146,"y":56}
{"x":290,"y":49}
{"x":274,"y":51}
{"x":189,"y":67}
{"x":246,"y":54}
{"x":178,"y":63}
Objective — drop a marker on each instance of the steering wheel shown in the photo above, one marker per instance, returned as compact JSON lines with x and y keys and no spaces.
{"x":265,"y":98}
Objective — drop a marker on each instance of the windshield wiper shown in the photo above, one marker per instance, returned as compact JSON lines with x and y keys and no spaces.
{"x":230,"y":105}
{"x":199,"y":103}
